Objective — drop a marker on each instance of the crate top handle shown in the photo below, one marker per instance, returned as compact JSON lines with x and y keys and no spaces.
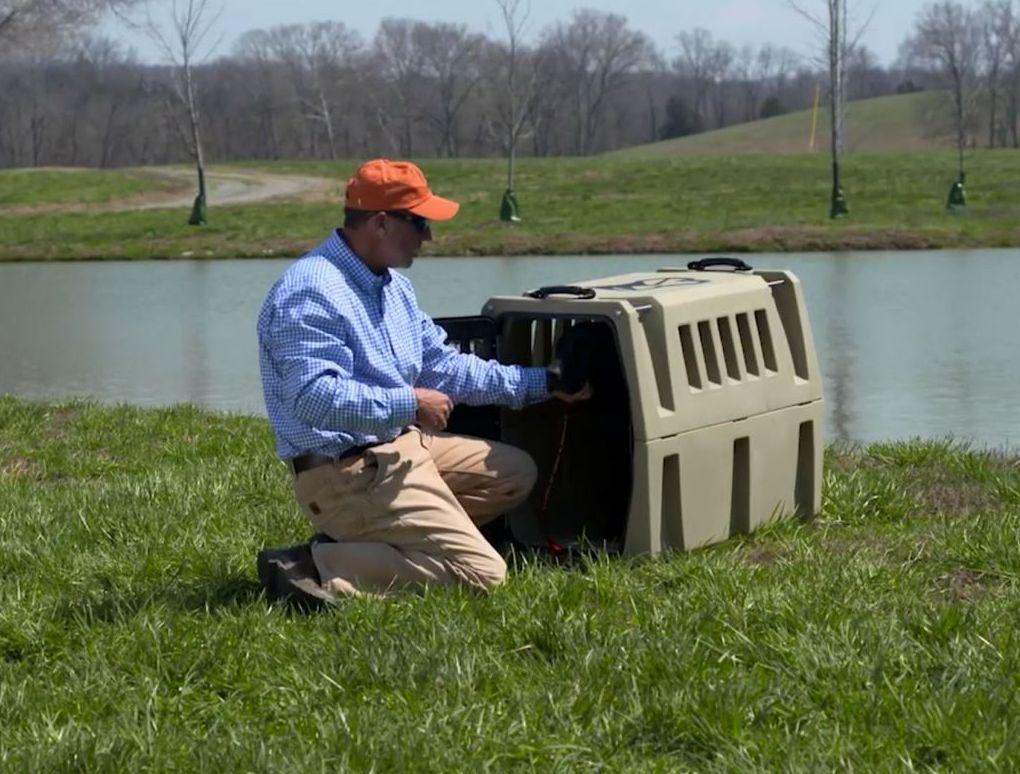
{"x":562,"y":290}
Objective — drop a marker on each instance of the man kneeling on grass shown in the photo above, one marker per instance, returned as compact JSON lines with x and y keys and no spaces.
{"x":359,"y":384}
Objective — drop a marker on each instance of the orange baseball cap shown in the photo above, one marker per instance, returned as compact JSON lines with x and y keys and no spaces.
{"x":381,"y":184}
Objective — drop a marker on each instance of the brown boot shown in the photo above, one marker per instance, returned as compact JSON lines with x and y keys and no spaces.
{"x":289,"y":574}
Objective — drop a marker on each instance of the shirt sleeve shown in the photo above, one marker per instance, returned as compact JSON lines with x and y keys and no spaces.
{"x":305,"y":343}
{"x":469,"y":379}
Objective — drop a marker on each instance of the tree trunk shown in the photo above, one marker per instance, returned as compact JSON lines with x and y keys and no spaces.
{"x":327,"y":119}
{"x":961,"y":138}
{"x":408,"y":140}
{"x":449,"y":135}
{"x":720,"y":106}
{"x":653,"y":119}
{"x":382,"y":118}
{"x":510,"y":164}
{"x":104,"y":157}
{"x":837,"y":86}
{"x":992,"y":105}
{"x":579,"y":125}
{"x":1014,"y":122}
{"x":37,"y":130}
{"x":198,"y":213}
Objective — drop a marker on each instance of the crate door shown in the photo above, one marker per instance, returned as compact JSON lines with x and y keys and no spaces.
{"x":476,"y":335}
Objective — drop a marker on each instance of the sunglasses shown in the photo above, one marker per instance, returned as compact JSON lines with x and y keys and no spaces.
{"x":420,"y":224}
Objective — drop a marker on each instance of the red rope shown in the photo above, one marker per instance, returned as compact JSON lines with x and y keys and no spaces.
{"x":555,"y":548}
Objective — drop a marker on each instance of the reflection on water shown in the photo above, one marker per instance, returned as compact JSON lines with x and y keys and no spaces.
{"x":836,"y":333}
{"x":910,"y":344}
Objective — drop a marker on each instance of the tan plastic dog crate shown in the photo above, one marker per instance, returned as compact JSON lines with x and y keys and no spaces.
{"x":706,"y":419}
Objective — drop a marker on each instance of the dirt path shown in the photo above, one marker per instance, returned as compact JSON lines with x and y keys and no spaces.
{"x":175,"y":188}
{"x":228,"y":188}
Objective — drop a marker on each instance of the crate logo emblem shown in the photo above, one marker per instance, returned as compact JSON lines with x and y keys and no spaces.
{"x":653,"y":284}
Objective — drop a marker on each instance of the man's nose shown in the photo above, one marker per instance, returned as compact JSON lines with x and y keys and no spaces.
{"x":426,"y":235}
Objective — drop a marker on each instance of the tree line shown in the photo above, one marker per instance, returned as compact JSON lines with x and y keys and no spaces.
{"x":585,"y":84}
{"x":972,"y":55}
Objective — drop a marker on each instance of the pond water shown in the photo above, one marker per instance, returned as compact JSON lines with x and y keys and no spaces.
{"x":911,"y":344}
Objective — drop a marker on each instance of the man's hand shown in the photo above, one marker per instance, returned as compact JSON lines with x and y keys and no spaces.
{"x":433,"y":409}
{"x":583,"y":394}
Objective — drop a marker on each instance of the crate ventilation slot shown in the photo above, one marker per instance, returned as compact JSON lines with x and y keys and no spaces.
{"x":727,"y":350}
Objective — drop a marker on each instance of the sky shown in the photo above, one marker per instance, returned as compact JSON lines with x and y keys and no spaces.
{"x":737,"y":21}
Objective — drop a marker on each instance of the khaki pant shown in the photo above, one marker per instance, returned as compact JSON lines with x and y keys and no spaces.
{"x":405,"y":513}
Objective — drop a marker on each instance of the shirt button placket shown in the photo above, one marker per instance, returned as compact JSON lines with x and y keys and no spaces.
{"x":384,"y":325}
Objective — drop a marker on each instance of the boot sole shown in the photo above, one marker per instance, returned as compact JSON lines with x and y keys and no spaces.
{"x":280,"y":589}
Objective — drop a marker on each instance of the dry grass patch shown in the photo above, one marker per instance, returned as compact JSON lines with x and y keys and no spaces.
{"x":60,"y":421}
{"x":968,"y":484}
{"x":761,"y":556}
{"x":942,"y":493}
{"x":18,"y":467}
{"x":872,"y":548}
{"x":964,"y":585}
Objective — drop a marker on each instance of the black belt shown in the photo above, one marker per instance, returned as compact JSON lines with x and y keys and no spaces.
{"x":304,"y":462}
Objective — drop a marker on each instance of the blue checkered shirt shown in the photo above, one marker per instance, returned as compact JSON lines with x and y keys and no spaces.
{"x":340,"y":349}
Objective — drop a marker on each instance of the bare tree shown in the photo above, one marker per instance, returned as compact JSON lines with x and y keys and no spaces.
{"x":721,"y":72}
{"x":1009,"y":21}
{"x":948,"y":39}
{"x":317,"y":94}
{"x":550,"y":120}
{"x":106,"y":82}
{"x":399,"y":63}
{"x":28,"y":23}
{"x":696,"y":62}
{"x":997,"y":26}
{"x":254,"y":50}
{"x":760,"y":72}
{"x":653,"y":89}
{"x":865,"y":77}
{"x":516,"y":86}
{"x":993,"y":52}
{"x":776,"y":67}
{"x":319,"y":59}
{"x":450,"y":59}
{"x":183,"y":45}
{"x":833,"y":27}
{"x":750,"y":85}
{"x":598,"y":51}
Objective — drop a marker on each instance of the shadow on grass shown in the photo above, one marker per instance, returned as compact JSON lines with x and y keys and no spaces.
{"x":215,"y":595}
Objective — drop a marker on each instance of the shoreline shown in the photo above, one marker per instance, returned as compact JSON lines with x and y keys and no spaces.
{"x":812,"y":239}
{"x":835,"y":446}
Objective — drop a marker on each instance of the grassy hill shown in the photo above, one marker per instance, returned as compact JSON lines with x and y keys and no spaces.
{"x":894,"y":123}
{"x":664,"y":204}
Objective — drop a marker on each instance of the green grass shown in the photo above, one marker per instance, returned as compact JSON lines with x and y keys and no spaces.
{"x":34,"y":187}
{"x":898,"y":123}
{"x":591,"y":205}
{"x":133,"y":634}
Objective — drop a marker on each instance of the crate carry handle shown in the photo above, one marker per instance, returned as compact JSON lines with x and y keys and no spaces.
{"x":564,"y":290}
{"x":706,"y":263}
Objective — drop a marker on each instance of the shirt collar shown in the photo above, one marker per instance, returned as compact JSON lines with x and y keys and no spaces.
{"x":340,"y":253}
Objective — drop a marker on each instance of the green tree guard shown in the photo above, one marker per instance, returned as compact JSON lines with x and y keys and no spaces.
{"x":957,"y":196}
{"x":197,"y":212}
{"x":508,"y":212}
{"x":198,"y":208}
{"x":838,"y":208}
